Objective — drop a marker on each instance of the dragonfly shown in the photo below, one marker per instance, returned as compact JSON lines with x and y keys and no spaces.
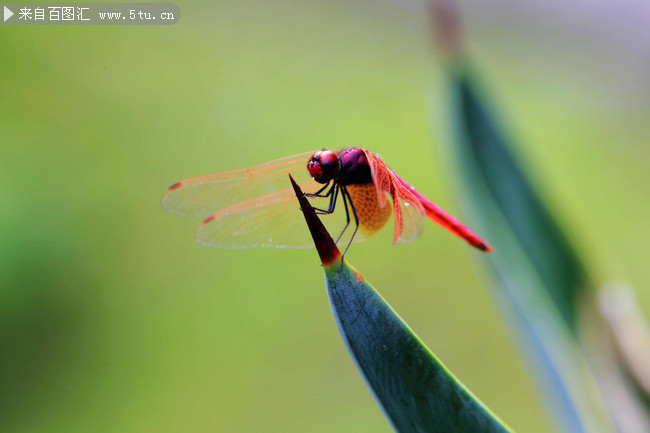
{"x":352,"y":188}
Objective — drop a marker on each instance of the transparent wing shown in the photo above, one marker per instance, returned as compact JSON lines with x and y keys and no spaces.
{"x":408,"y":216}
{"x":408,"y":212}
{"x":205,"y":195}
{"x":274,"y":220}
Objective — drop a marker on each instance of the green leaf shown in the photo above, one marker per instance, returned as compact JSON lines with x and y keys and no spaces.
{"x":415,"y":390}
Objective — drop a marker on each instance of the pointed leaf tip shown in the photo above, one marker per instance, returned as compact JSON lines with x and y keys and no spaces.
{"x":325,"y":245}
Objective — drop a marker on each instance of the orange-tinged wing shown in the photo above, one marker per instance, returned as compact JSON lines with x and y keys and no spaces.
{"x":202,"y":196}
{"x":273,"y":222}
{"x":410,"y":223}
{"x":372,"y":217}
{"x":408,"y":213}
{"x":380,"y":176}
{"x":255,"y":207}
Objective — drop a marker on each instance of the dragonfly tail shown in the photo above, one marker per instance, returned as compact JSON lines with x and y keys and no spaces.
{"x":442,"y":218}
{"x":447,"y":221}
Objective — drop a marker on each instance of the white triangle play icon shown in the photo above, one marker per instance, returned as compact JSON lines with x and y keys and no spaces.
{"x":8,"y":13}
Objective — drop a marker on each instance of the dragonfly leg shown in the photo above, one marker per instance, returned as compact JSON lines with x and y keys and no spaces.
{"x":347,"y":217}
{"x":332,"y":204}
{"x":318,"y":193}
{"x":345,"y":193}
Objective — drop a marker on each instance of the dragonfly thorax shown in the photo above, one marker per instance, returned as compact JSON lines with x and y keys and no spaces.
{"x":355,"y":169}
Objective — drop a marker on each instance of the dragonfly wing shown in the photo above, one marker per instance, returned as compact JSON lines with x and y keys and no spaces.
{"x":260,"y":222}
{"x":408,"y":216}
{"x":408,"y":213}
{"x":274,"y":220}
{"x":380,"y":176}
{"x":202,"y":196}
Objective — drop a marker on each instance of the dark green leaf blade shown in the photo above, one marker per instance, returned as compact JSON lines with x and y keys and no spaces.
{"x":416,"y":391}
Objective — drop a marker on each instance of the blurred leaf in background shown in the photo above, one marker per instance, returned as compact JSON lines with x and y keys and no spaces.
{"x":542,"y":282}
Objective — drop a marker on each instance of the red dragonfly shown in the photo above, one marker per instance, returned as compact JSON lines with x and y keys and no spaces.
{"x":256,"y":207}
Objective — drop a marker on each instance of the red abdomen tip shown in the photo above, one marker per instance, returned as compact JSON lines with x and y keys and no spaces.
{"x":174,"y":186}
{"x":476,"y":242}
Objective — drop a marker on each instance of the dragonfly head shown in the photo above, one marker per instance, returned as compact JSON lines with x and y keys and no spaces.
{"x":324,"y":166}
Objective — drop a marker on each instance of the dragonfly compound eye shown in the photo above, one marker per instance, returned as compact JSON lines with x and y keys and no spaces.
{"x":323,"y":166}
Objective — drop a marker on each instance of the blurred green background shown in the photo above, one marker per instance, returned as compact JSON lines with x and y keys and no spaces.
{"x":113,"y":320}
